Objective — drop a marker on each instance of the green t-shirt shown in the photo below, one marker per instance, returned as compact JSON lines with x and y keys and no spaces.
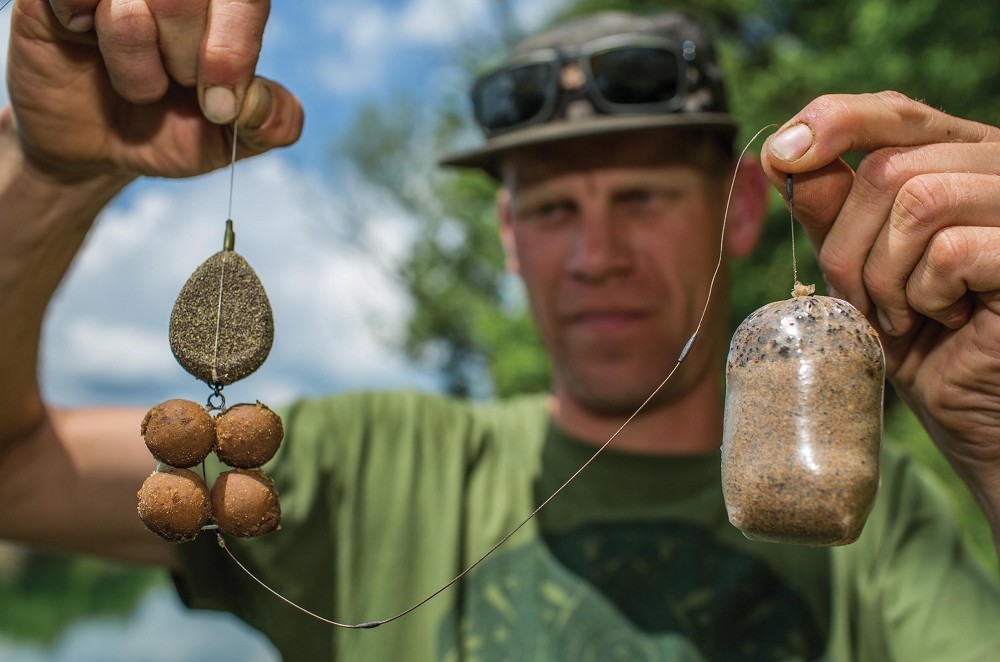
{"x":387,"y":496}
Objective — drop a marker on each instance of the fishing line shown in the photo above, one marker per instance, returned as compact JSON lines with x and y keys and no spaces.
{"x":227,"y":246}
{"x":688,"y":346}
{"x":232,"y":175}
{"x":680,"y":359}
{"x":798,"y":289}
{"x":791,"y":219}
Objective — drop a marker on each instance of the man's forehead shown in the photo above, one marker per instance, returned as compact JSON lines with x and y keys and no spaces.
{"x":647,"y":149}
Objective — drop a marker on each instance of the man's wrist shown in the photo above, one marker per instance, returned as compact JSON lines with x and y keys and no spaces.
{"x":85,"y":177}
{"x":983,"y":480}
{"x":72,"y":196}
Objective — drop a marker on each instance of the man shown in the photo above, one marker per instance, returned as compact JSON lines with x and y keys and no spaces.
{"x":612,"y":218}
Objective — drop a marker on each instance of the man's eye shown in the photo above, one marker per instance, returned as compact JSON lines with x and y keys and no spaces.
{"x":549,"y":211}
{"x":647,"y":200}
{"x":552,"y":209}
{"x":640,"y":197}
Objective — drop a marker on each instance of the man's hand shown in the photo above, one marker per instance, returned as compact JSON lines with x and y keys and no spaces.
{"x":103,"y":91}
{"x":913,"y":240}
{"x":123,"y":87}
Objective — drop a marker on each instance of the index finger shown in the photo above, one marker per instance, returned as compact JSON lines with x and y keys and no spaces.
{"x":233,"y":36}
{"x":837,"y":123}
{"x":810,"y":144}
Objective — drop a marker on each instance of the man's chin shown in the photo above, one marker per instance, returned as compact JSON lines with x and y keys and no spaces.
{"x":608,"y":402}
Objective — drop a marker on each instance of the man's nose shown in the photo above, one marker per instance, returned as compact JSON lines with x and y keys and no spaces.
{"x":600,"y":249}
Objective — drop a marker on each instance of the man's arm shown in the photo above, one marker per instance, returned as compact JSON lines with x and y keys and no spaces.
{"x":913,"y":240}
{"x":123,"y":95}
{"x":66,"y":479}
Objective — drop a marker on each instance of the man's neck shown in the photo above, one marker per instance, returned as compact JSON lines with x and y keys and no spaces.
{"x":688,"y":425}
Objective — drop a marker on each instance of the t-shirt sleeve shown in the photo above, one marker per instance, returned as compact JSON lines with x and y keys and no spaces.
{"x":910,"y":589}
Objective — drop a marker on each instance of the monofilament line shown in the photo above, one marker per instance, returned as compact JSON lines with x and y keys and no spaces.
{"x":232,"y":173}
{"x":791,"y":218}
{"x":4,"y":5}
{"x":227,"y":246}
{"x":683,"y":354}
{"x":218,"y":319}
{"x":722,"y":248}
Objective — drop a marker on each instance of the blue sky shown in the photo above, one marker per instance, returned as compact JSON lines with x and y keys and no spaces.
{"x":337,"y":312}
{"x":340,"y":55}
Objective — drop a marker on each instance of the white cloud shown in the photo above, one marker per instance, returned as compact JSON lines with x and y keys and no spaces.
{"x":362,"y":39}
{"x":532,"y":15}
{"x":363,"y":28}
{"x":118,"y":351}
{"x":279,"y":33}
{"x":459,"y":22}
{"x":346,"y":76}
{"x":441,"y":22}
{"x":369,"y":41}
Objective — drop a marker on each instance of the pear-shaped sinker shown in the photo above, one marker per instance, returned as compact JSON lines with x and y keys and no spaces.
{"x":221,"y":327}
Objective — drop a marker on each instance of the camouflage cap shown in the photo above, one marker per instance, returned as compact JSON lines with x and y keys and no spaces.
{"x":704,"y":104}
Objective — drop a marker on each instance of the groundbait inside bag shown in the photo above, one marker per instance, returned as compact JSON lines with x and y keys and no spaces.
{"x":803,"y":423}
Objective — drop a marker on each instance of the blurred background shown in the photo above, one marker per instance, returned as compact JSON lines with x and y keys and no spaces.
{"x":385,"y":272}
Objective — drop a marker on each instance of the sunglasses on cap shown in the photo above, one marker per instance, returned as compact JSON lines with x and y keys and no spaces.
{"x":620,"y":75}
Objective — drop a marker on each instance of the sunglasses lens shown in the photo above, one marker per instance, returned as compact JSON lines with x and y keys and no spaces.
{"x":513,"y":96}
{"x":636,"y":75}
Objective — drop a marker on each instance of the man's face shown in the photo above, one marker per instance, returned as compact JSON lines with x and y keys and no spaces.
{"x":616,"y":241}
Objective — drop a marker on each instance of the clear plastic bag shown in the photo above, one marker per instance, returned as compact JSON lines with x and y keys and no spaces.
{"x":803,"y":422}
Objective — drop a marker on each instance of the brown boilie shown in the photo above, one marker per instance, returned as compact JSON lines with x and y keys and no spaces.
{"x":245,"y":503}
{"x":174,"y":504}
{"x":247,"y":435}
{"x":178,"y":432}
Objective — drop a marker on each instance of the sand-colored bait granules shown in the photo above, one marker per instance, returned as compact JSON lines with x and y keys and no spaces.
{"x":245,"y":503}
{"x":178,"y":432}
{"x":220,"y":344}
{"x":803,"y":422}
{"x":174,"y":504}
{"x":248,"y":435}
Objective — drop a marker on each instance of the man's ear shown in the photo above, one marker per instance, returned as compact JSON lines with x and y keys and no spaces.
{"x":506,"y":221}
{"x":748,"y":209}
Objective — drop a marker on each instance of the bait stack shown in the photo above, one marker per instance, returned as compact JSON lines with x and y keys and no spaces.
{"x":221,"y":330}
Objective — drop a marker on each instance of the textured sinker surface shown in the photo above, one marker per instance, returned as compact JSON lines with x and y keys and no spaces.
{"x":222,"y":343}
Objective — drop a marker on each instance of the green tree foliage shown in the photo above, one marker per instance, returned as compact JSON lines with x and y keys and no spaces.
{"x":778,"y":54}
{"x":468,"y":318}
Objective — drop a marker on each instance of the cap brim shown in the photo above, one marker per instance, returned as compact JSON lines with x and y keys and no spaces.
{"x":487,"y":157}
